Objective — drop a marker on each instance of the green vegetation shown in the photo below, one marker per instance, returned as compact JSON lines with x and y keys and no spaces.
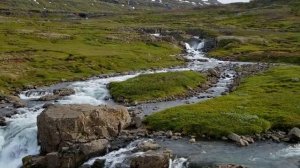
{"x":38,"y":52}
{"x":155,"y":86}
{"x":268,"y":100}
{"x":54,"y":45}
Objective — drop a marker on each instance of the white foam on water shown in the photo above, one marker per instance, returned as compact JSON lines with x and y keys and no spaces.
{"x":291,"y":151}
{"x":120,"y":157}
{"x":19,"y":138}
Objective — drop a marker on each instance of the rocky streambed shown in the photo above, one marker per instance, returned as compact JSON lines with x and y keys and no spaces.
{"x":71,"y":143}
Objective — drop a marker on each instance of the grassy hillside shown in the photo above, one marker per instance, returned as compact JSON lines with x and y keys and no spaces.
{"x":269,"y":100}
{"x":36,"y":52}
{"x":41,"y":50}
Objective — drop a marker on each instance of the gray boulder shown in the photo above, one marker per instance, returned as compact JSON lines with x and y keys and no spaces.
{"x":61,"y":125}
{"x":294,"y":134}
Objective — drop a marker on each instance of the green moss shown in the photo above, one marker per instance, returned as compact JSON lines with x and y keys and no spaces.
{"x":155,"y":86}
{"x":268,"y":100}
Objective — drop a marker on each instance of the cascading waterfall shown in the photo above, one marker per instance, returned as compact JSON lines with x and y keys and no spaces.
{"x":19,"y":137}
{"x":119,"y":158}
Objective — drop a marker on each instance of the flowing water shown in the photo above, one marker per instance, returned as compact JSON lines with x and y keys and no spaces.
{"x":19,"y":137}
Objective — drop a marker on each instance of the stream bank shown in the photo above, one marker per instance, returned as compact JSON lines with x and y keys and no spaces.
{"x":18,"y":138}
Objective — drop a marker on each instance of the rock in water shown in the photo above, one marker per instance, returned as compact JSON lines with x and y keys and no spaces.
{"x":151,"y":159}
{"x":2,"y":121}
{"x":64,"y":92}
{"x":60,"y":125}
{"x":148,"y":145}
{"x":294,"y":134}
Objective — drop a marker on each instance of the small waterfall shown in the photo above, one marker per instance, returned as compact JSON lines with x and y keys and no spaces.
{"x":18,"y":139}
{"x":34,"y":94}
{"x":178,"y":163}
{"x":119,"y":158}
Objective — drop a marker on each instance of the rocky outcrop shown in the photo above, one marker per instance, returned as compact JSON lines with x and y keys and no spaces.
{"x":68,"y":157}
{"x":71,"y":134}
{"x":60,"y":125}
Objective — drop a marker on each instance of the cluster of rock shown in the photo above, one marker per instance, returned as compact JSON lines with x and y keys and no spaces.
{"x":57,"y":94}
{"x":145,"y":154}
{"x":70,"y":134}
{"x":14,"y":100}
{"x":292,"y":136}
{"x":8,"y":106}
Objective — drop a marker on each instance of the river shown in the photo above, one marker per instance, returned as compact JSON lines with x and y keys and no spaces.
{"x":19,"y":137}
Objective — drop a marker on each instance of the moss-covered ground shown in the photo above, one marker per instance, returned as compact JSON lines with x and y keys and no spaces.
{"x":156,"y":86}
{"x":267,"y":101}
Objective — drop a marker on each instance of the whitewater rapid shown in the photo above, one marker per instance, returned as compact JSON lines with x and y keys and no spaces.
{"x":19,"y":137}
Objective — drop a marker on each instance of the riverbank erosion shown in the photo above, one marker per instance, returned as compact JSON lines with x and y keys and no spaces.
{"x":70,"y":134}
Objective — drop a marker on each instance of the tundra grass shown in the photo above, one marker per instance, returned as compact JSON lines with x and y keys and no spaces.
{"x":43,"y":50}
{"x":267,"y":101}
{"x":156,"y":86}
{"x":38,"y":52}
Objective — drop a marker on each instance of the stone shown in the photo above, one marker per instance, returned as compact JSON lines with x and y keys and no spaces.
{"x":16,"y":101}
{"x":2,"y":121}
{"x":49,"y":98}
{"x":33,"y":161}
{"x":238,"y":139}
{"x":60,"y":125}
{"x":213,"y":72}
{"x":192,"y":140}
{"x":99,"y":163}
{"x":148,"y":145}
{"x":230,"y":166}
{"x":151,"y":159}
{"x":64,"y":92}
{"x":234,"y":137}
{"x":224,"y":138}
{"x":95,"y":147}
{"x":169,"y":134}
{"x":294,"y":134}
{"x":138,"y":121}
{"x":275,"y":138}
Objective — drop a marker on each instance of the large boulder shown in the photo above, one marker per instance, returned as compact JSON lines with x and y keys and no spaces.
{"x":67,"y":158}
{"x":151,"y":159}
{"x":62,"y":125}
